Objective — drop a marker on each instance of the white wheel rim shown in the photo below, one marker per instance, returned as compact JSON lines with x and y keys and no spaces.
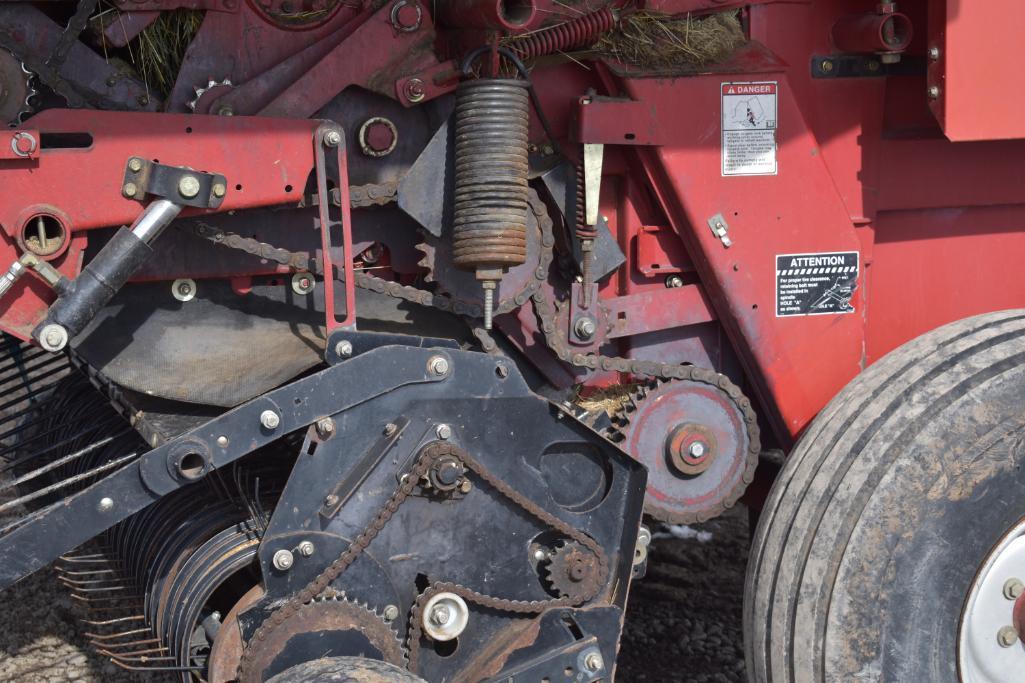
{"x":981,"y":656}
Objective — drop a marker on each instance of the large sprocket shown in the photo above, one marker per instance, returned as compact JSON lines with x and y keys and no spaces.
{"x":700,"y":446}
{"x":329,"y":626}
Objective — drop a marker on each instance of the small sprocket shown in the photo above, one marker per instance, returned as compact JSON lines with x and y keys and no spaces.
{"x":700,"y":446}
{"x":571,"y":571}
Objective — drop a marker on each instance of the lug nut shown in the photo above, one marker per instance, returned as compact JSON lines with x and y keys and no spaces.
{"x":282,"y":560}
{"x":269,"y":419}
{"x":1007,"y":636}
{"x":188,"y":186}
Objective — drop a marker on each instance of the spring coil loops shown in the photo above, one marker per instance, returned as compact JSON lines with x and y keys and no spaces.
{"x":577,"y":33}
{"x":490,"y":215}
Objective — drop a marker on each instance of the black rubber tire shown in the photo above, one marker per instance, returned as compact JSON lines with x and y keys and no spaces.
{"x":345,"y":670}
{"x":874,"y":529}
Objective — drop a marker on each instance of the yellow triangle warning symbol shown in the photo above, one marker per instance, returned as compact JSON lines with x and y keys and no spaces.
{"x":731,"y":91}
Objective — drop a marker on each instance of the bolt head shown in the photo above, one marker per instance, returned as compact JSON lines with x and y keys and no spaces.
{"x":934,"y":92}
{"x":539,"y":555}
{"x":105,"y":505}
{"x":53,"y":337}
{"x":594,"y":662}
{"x":269,"y":419}
{"x":826,"y":66}
{"x":222,"y":441}
{"x":325,"y":427}
{"x":129,"y":190}
{"x":188,"y":186}
{"x":331,"y":500}
{"x":1013,"y":588}
{"x":585,"y":328}
{"x":283,"y":560}
{"x":306,"y":549}
{"x":1007,"y":636}
{"x":441,"y":614}
{"x":443,"y":431}
{"x":219,"y":190}
{"x":135,"y":164}
{"x":674,"y":282}
{"x":391,"y":613}
{"x":390,"y":429}
{"x":333,"y":138}
{"x":438,"y":366}
{"x":415,"y":90}
{"x":343,"y":349}
{"x":697,"y":449}
{"x":934,"y":53}
{"x":466,"y":486}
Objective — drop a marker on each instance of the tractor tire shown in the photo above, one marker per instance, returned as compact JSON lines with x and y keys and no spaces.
{"x":345,"y":670}
{"x":873,"y":536}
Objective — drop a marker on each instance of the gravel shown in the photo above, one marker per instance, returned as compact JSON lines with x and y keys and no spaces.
{"x":683,"y":621}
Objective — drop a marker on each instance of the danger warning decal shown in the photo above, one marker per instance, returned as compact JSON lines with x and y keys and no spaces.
{"x":749,"y":128}
{"x":816,"y":284}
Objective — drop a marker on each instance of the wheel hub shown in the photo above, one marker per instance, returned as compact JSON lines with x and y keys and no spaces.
{"x":991,"y":647}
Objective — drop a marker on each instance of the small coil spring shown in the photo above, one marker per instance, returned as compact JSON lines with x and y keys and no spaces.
{"x":490,"y":215}
{"x":577,"y":33}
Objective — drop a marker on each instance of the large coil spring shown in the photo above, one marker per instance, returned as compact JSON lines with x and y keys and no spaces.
{"x":573,"y":34}
{"x":490,"y":217}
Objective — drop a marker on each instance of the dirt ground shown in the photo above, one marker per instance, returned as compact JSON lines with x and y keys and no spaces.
{"x":683,"y":622}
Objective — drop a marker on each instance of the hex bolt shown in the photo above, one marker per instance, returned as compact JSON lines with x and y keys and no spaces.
{"x":106,"y":505}
{"x":306,"y":549}
{"x":331,"y":500}
{"x":934,"y":54}
{"x":438,"y":366}
{"x":53,"y":337}
{"x":594,"y":662}
{"x":934,"y":92}
{"x":1007,"y":636}
{"x":390,"y":429}
{"x":333,"y":138}
{"x":343,"y":349}
{"x":269,"y":419}
{"x":282,"y":560}
{"x":325,"y":427}
{"x":1013,"y":588}
{"x":585,"y":328}
{"x":674,"y":282}
{"x":129,"y":190}
{"x":466,"y":486}
{"x":188,"y":186}
{"x":219,"y":190}
{"x":391,"y":613}
{"x":135,"y":164}
{"x":697,"y":449}
{"x":443,"y":431}
{"x":441,"y":614}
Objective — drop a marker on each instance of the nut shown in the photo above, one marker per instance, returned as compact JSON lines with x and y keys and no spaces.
{"x":934,"y":54}
{"x":934,"y":92}
{"x":332,"y":138}
{"x":306,"y":549}
{"x":585,"y":327}
{"x":188,"y":186}
{"x":438,"y":366}
{"x":53,"y":337}
{"x":1013,"y":588}
{"x":269,"y":419}
{"x":697,"y":449}
{"x":283,"y":560}
{"x":219,"y":190}
{"x":1007,"y":636}
{"x":129,"y":190}
{"x":325,"y":427}
{"x":441,"y":614}
{"x":594,"y":662}
{"x":135,"y":164}
{"x":390,"y":429}
{"x":415,"y":90}
{"x":184,"y":289}
{"x":443,"y":431}
{"x":674,"y":282}
{"x":391,"y":613}
{"x":343,"y":349}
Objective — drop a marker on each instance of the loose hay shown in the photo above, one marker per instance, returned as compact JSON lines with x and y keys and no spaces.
{"x":158,"y":51}
{"x":653,"y":40}
{"x":608,"y":399}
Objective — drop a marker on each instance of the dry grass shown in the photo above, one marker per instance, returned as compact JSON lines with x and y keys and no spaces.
{"x":653,"y":40}
{"x":609,"y":399}
{"x":158,"y":51}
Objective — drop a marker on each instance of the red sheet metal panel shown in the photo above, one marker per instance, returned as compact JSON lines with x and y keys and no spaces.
{"x":975,"y":87}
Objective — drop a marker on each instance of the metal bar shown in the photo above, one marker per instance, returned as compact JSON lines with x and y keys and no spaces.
{"x":81,"y":516}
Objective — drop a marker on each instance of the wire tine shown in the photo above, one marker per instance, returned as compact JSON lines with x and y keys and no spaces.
{"x":26,"y":381}
{"x":20,"y":445}
{"x":56,"y":463}
{"x":67,"y":482}
{"x":131,"y":643}
{"x":37,"y":407}
{"x":28,"y":395}
{"x":64,"y":573}
{"x":108,"y":622}
{"x":27,"y":373}
{"x":119,"y":634}
{"x":125,"y":657}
